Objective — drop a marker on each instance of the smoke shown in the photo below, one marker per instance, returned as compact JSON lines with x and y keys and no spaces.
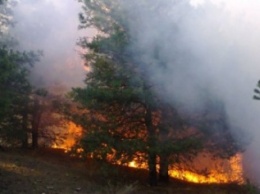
{"x":192,"y":46}
{"x":186,"y":47}
{"x":52,"y":27}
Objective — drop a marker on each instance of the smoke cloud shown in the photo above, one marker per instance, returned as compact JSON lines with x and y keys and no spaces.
{"x":52,"y":27}
{"x":188,"y":46}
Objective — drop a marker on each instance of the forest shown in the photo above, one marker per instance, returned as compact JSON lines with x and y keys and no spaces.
{"x":166,"y":101}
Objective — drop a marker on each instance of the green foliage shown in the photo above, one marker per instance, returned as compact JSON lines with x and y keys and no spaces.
{"x":101,"y":15}
{"x":15,"y":92}
{"x":257,"y":92}
{"x":6,"y":19}
{"x":120,"y":110}
{"x":251,"y":188}
{"x":115,"y":107}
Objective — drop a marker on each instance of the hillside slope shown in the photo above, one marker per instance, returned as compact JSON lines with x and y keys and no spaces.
{"x":52,"y":172}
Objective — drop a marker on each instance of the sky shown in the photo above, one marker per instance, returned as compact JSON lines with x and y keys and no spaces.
{"x":217,"y":40}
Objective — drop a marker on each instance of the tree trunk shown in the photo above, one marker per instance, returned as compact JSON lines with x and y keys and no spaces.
{"x":164,"y":169}
{"x":35,"y":137}
{"x":25,"y":143}
{"x":2,"y":149}
{"x":24,"y":139}
{"x":35,"y":132}
{"x":36,"y":119}
{"x":152,"y":170}
{"x":152,"y":140}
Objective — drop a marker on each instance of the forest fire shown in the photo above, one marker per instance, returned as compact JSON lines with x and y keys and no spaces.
{"x":69,"y":137}
{"x":202,"y":169}
{"x":212,"y":171}
{"x":221,"y":171}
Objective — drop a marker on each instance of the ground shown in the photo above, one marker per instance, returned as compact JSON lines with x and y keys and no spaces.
{"x":52,"y":172}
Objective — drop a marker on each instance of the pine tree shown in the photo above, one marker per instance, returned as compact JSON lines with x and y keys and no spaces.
{"x":122,"y":115}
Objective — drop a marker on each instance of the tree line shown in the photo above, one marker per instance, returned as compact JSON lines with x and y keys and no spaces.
{"x":26,"y":111}
{"x":122,"y":113}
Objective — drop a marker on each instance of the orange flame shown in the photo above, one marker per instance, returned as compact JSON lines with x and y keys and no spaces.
{"x":219,"y":170}
{"x":206,"y":170}
{"x":73,"y":132}
{"x":224,"y":171}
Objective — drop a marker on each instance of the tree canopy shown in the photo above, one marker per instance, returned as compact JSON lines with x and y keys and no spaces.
{"x":257,"y":92}
{"x":123,"y":116}
{"x":16,"y":89}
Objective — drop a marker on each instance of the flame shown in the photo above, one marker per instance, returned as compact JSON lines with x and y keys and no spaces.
{"x":71,"y":134}
{"x":132,"y":164}
{"x":205,"y":168}
{"x":222,"y":170}
{"x":228,"y":172}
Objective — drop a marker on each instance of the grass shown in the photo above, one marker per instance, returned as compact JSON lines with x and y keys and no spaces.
{"x":53,"y":172}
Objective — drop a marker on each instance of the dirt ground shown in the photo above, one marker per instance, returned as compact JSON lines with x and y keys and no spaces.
{"x":31,"y":173}
{"x":52,"y":172}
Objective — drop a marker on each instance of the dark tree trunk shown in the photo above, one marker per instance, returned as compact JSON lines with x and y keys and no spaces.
{"x":152,"y":170}
{"x":35,"y":137}
{"x":25,"y":143}
{"x":25,"y":121}
{"x":2,"y":149}
{"x":152,"y":140}
{"x":164,"y":169}
{"x":169,"y":118}
{"x":36,"y":119}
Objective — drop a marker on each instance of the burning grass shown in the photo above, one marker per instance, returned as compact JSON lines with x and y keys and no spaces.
{"x":202,"y":169}
{"x":206,"y":169}
{"x":52,"y":171}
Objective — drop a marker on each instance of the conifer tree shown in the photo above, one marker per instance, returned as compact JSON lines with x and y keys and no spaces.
{"x":120,"y":111}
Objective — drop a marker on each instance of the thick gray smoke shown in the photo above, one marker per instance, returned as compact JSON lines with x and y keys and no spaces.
{"x":202,"y":44}
{"x":188,"y":46}
{"x":51,"y":26}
